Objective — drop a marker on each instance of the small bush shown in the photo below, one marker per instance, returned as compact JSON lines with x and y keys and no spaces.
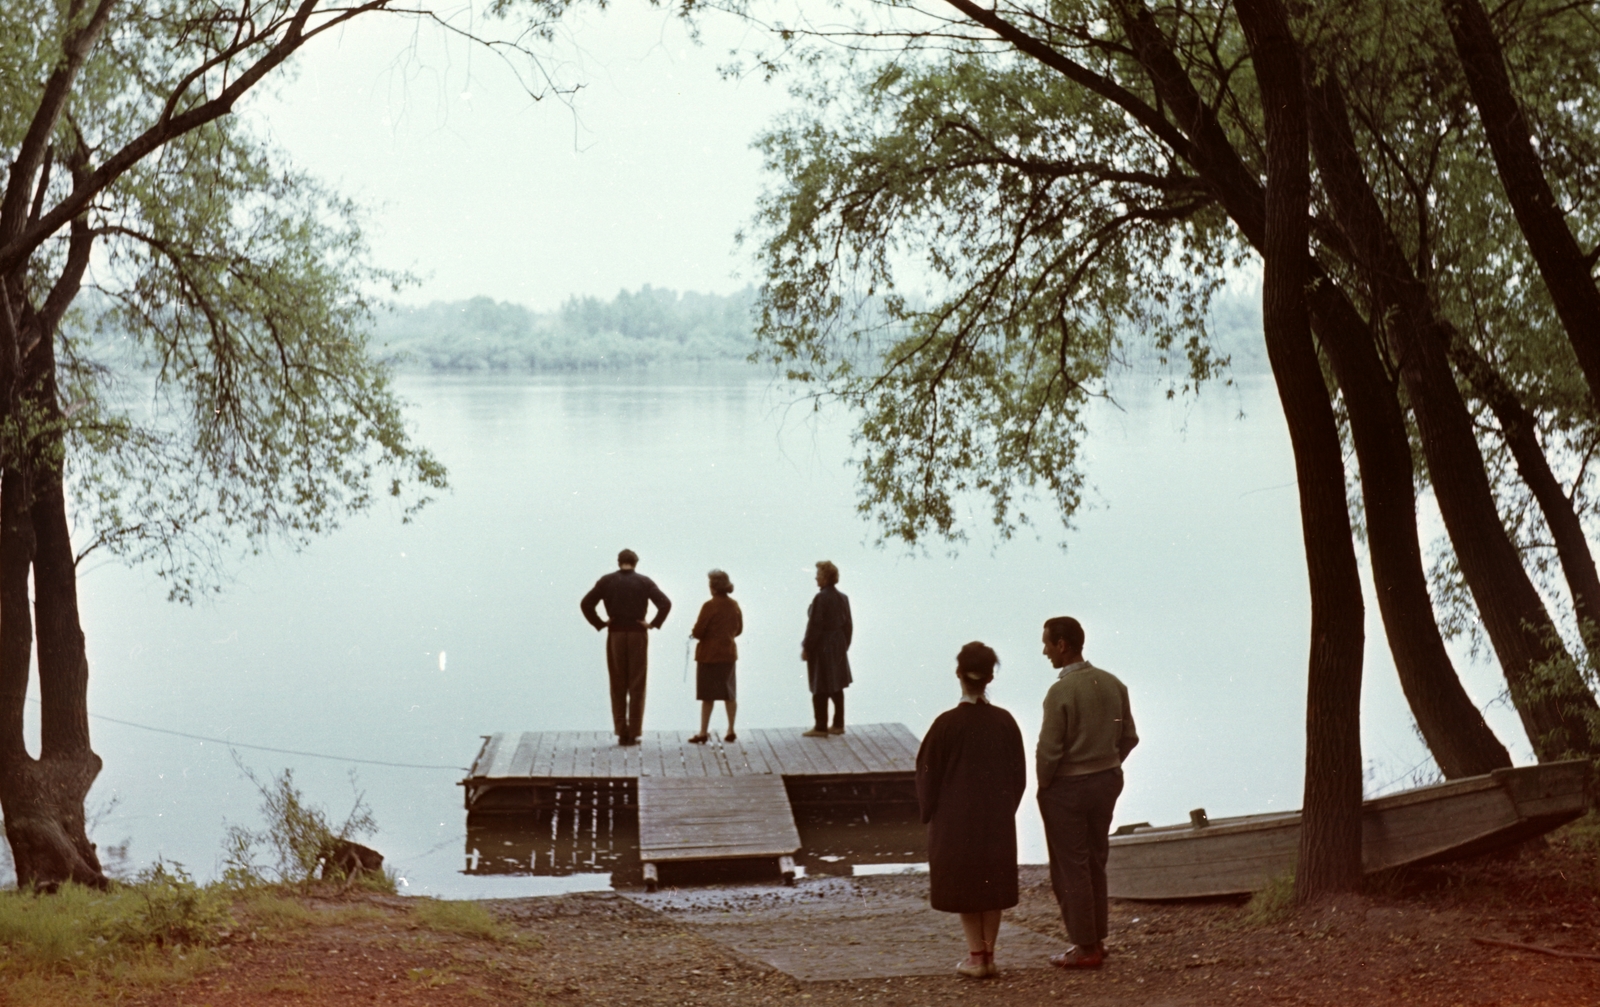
{"x":299,"y":835}
{"x":468,"y":919}
{"x":1272,"y":904}
{"x":175,"y":910}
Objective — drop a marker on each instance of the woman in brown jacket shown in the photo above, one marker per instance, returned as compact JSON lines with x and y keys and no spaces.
{"x":720,"y":621}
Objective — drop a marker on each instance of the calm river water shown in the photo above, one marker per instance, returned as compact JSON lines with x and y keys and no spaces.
{"x":406,"y":643}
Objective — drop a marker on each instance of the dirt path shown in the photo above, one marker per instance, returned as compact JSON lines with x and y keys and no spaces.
{"x":843,"y":942}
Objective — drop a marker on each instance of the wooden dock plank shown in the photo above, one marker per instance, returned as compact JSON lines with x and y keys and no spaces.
{"x":752,"y":758}
{"x":866,"y":742}
{"x":908,"y":742}
{"x":545,"y":757}
{"x":521,"y":760}
{"x":892,"y":752}
{"x":483,"y":765}
{"x":714,"y":818}
{"x":845,"y":755}
{"x":775,"y":746}
{"x":875,"y":749}
{"x":866,"y":753}
{"x":694,"y":758}
{"x":566,"y":755}
{"x":822,"y":753}
{"x":650,"y":753}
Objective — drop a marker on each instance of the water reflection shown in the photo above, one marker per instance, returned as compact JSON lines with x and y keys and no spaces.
{"x":556,"y":843}
{"x":585,"y":840}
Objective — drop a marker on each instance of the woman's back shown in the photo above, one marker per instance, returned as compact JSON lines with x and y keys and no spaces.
{"x":971,"y":773}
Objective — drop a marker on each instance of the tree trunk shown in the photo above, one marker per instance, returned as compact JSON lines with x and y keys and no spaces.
{"x":1520,"y":432}
{"x":42,"y":799}
{"x":1566,"y":270}
{"x":1451,"y":724}
{"x":1330,"y":832}
{"x":1550,"y":696}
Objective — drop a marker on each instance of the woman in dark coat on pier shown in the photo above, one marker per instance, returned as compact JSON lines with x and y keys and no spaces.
{"x":971,"y":772}
{"x":828,"y":631}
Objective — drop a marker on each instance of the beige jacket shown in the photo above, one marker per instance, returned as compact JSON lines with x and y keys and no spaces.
{"x":1088,"y":725}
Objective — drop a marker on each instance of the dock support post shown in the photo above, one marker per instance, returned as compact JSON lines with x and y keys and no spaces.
{"x":786,"y":867}
{"x":650,"y":878}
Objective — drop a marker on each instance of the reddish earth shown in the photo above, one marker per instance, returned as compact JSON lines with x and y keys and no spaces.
{"x":1409,"y":940}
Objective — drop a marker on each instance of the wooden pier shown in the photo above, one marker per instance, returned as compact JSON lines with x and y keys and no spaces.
{"x":712,"y":802}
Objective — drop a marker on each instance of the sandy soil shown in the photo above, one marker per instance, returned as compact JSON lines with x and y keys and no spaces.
{"x":872,"y":940}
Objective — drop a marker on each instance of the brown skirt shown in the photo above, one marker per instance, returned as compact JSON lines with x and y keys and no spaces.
{"x":714,"y":681}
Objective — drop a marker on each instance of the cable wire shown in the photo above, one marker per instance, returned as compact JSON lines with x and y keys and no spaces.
{"x":267,"y":748}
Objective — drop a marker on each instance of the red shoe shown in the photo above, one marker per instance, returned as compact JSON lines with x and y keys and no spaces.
{"x":1076,"y":958}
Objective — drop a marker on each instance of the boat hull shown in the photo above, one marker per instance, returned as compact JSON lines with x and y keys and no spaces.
{"x":1425,"y":825}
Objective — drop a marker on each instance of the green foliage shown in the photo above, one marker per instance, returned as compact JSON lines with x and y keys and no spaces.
{"x":1271,"y":905}
{"x":175,"y":910}
{"x":960,"y":248}
{"x":229,"y":398}
{"x":650,"y":326}
{"x":79,"y":928}
{"x":468,"y":919}
{"x":298,"y":836}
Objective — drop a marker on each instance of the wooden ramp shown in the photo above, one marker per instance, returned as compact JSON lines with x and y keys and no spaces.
{"x":685,"y":819}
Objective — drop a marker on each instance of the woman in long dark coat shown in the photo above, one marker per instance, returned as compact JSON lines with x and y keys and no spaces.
{"x":828,"y":631}
{"x":971,"y":772}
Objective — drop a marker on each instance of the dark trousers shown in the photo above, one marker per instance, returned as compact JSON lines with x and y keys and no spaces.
{"x":819,"y":707}
{"x":1077,"y":829}
{"x":626,"y":657}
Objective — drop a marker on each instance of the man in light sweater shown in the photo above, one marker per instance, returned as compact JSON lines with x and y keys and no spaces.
{"x":1087,"y":733}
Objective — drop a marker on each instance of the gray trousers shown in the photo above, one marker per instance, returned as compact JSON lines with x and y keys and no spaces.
{"x":1077,"y":829}
{"x":626,"y":657}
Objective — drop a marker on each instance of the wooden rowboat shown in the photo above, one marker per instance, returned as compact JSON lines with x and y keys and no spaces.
{"x":1425,"y":825}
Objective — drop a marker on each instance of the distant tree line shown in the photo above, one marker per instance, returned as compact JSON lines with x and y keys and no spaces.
{"x":656,"y":325}
{"x":648,"y":326}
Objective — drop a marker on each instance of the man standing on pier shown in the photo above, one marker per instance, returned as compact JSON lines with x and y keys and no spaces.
{"x":1086,"y":734}
{"x":627,"y":595}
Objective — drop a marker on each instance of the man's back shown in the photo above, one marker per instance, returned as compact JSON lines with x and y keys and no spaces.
{"x":626,"y":594}
{"x":1087,"y":726}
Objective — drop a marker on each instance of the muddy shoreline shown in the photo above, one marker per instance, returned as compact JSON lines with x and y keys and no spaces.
{"x":838,"y":942}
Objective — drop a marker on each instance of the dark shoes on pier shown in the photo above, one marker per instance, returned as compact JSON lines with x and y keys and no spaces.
{"x":625,"y":740}
{"x":699,"y":739}
{"x":815,"y":732}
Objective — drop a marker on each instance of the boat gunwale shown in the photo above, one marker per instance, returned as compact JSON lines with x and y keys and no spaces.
{"x":1444,"y":790}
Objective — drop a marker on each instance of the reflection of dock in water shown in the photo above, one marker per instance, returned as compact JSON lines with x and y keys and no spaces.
{"x":564,"y":802}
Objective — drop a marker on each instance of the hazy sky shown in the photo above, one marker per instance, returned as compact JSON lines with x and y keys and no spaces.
{"x":477,"y":188}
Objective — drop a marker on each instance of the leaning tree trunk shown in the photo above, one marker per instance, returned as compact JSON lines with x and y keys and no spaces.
{"x":42,"y":799}
{"x":1563,"y":265}
{"x":1551,"y":698}
{"x":1330,"y":831}
{"x":1520,"y":432}
{"x":1451,"y":724}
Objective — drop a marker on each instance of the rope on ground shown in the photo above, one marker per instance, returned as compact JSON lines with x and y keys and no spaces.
{"x":268,"y":748}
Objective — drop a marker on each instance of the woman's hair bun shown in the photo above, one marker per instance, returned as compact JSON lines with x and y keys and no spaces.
{"x":976,"y":663}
